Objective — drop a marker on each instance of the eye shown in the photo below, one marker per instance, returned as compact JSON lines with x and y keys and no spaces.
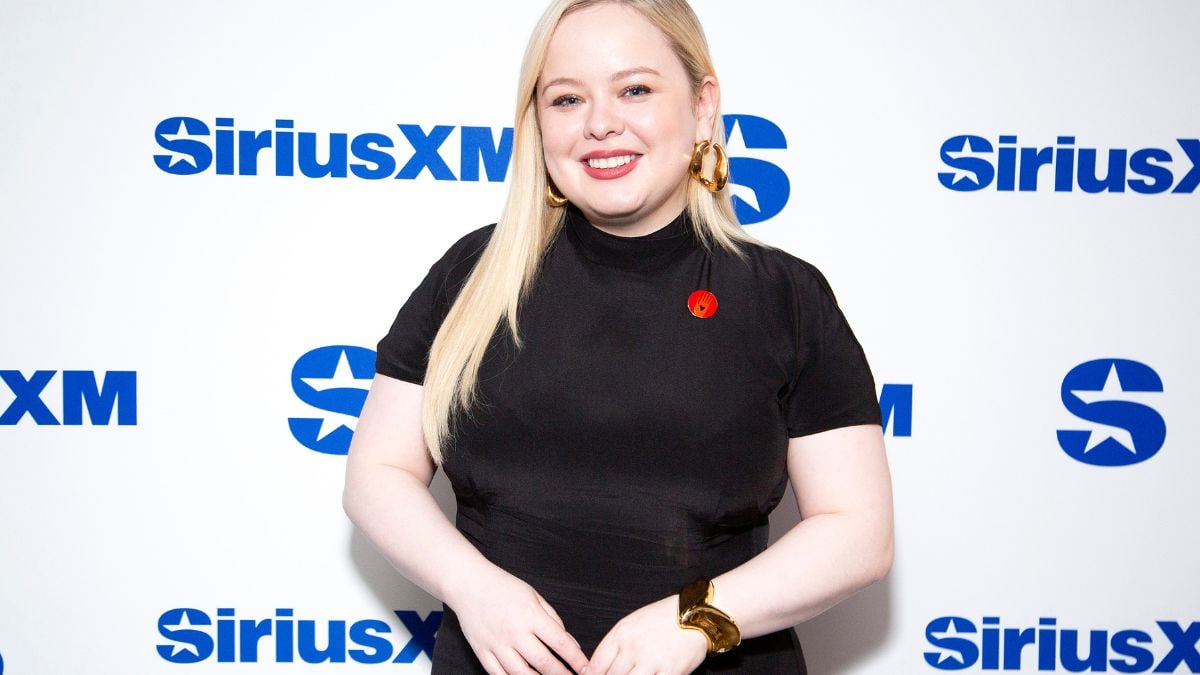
{"x":636,"y":90}
{"x":564,"y":101}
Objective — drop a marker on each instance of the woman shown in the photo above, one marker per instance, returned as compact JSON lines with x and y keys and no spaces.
{"x":619,"y":383}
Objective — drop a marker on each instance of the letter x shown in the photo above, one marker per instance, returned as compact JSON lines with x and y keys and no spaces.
{"x":28,"y":393}
{"x":423,"y":632}
{"x":425,"y":152}
{"x":1183,"y":647}
{"x":1189,"y":182}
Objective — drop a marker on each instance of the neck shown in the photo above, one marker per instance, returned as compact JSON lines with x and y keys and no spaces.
{"x":651,"y":251}
{"x":638,"y":224}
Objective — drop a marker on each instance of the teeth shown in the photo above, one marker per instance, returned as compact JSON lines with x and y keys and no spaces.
{"x":610,"y":162}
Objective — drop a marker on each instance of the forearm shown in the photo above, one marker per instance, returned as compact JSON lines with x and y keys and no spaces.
{"x":397,"y":512}
{"x":812,"y":567}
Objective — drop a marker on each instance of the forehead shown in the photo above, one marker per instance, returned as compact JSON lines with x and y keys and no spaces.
{"x":605,"y":39}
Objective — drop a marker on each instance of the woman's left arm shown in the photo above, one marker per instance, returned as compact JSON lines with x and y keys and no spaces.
{"x":842,"y":544}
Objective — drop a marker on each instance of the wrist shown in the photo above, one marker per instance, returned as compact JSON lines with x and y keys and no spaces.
{"x":698,"y":613}
{"x":468,"y":580}
{"x":697,"y":639}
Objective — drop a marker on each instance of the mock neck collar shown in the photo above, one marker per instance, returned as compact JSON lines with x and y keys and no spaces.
{"x":647,"y":251}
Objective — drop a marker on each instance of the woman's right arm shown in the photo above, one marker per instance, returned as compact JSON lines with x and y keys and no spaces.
{"x":507,"y":623}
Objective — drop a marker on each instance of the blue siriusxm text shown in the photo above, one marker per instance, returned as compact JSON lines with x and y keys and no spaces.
{"x":192,"y":146}
{"x":193,"y":635}
{"x":977,"y":164}
{"x":896,"y":406}
{"x":959,"y":643}
{"x":82,"y":390}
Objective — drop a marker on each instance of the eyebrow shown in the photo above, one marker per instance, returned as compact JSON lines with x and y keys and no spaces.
{"x":620,"y":75}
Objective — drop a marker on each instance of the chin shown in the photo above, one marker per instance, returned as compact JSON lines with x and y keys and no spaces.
{"x":614,"y":209}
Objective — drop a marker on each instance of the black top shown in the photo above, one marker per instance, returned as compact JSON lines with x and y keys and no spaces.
{"x":631,"y":446}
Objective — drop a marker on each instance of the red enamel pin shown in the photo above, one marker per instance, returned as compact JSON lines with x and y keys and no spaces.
{"x":702,"y":304}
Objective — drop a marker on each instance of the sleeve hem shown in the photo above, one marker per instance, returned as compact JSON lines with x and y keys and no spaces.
{"x":384,"y":368}
{"x":836,"y":423}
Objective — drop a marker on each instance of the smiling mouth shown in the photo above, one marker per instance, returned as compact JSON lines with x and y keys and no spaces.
{"x":610,"y":162}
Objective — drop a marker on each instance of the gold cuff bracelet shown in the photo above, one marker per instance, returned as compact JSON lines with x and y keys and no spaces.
{"x":696,"y":613}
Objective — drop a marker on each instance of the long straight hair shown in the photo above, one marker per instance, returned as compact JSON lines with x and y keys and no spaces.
{"x":509,"y":264}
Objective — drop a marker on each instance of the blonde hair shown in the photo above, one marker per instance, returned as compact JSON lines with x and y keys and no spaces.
{"x":509,"y":264}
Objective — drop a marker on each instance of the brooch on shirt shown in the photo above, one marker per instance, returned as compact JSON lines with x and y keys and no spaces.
{"x":702,"y":303}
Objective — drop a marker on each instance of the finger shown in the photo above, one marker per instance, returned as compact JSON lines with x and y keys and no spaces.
{"x":623,"y":664}
{"x":513,"y":663}
{"x":490,"y":664}
{"x":550,"y":610}
{"x":603,"y":657}
{"x":539,"y":658}
{"x":564,"y":644}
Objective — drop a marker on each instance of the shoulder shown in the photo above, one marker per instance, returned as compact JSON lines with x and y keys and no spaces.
{"x":467,"y":249}
{"x":772,"y":268}
{"x":456,"y":263}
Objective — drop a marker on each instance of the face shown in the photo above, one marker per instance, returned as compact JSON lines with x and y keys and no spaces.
{"x":619,"y":119}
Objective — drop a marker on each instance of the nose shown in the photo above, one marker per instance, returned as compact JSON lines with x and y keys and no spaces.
{"x":603,"y":120}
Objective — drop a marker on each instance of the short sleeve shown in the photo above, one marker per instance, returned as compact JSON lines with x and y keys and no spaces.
{"x":404,"y":352}
{"x":832,"y":385}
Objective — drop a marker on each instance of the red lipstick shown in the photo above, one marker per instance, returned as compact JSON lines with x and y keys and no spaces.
{"x":610,"y":173}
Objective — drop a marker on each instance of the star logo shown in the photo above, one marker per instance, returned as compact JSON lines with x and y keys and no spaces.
{"x":342,"y":378}
{"x":1117,"y":397}
{"x":957,"y":175}
{"x":1112,"y":391}
{"x":758,"y":188}
{"x":179,"y":626}
{"x":952,"y":632}
{"x":733,"y":141}
{"x":175,"y":157}
{"x":334,"y":380}
{"x":184,"y":623}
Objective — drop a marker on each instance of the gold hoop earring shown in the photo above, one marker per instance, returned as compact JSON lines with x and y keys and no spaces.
{"x":720,"y":169}
{"x":553,"y":198}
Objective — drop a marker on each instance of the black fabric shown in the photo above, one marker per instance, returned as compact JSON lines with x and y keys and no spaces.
{"x":629,"y":446}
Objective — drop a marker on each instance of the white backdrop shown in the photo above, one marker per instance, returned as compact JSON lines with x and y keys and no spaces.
{"x":131,"y":548}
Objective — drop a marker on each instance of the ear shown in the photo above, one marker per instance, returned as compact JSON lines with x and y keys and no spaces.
{"x":708,"y":99}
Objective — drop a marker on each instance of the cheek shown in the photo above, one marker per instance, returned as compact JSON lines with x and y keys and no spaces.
{"x":556,"y":141}
{"x":666,"y":129}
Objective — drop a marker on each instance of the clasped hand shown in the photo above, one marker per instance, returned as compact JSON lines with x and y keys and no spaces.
{"x":649,"y":641}
{"x":512,"y":631}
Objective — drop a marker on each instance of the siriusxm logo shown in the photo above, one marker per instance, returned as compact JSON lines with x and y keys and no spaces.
{"x":1111,"y":393}
{"x":895,"y":402}
{"x":237,"y":151}
{"x":191,"y":146}
{"x":81,"y":390}
{"x":976,"y":164}
{"x":192,"y":636}
{"x":760,"y":189}
{"x":958,"y":644}
{"x":334,"y":380}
